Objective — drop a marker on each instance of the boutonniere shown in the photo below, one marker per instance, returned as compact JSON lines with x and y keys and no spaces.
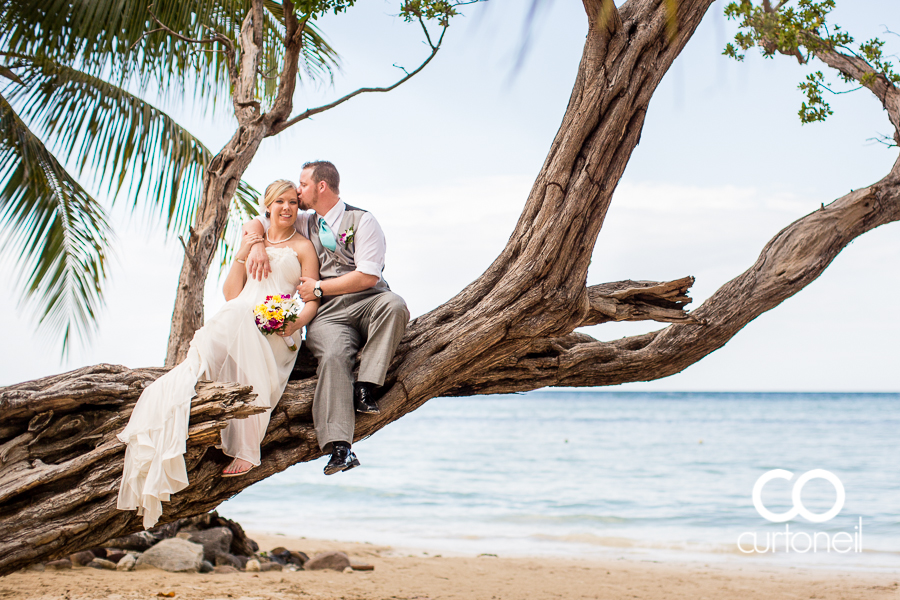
{"x":346,"y":238}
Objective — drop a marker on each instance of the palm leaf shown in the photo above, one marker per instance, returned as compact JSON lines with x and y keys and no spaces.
{"x":112,"y":39}
{"x":99,"y":36}
{"x":124,"y":142}
{"x":54,"y":231}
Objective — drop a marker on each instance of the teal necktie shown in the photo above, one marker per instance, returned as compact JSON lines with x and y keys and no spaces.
{"x":326,"y":236}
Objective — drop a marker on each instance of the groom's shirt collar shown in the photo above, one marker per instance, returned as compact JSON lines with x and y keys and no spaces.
{"x":333,"y":217}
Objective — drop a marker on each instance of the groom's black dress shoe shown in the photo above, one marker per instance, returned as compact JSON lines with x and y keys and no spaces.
{"x":342,"y":458}
{"x":364,"y":398}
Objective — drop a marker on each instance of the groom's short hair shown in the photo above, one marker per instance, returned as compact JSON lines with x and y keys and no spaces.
{"x":322,"y":170}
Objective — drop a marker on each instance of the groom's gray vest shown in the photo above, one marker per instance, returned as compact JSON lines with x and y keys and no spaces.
{"x":341,"y":260}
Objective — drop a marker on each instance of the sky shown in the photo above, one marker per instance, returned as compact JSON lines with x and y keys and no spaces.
{"x":445,"y":163}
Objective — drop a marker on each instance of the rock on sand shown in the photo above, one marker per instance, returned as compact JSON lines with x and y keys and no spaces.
{"x":214,"y":541}
{"x":174,"y":555}
{"x":126,"y":563}
{"x":328,"y":560}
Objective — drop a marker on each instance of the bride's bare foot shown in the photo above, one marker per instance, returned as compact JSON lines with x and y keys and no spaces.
{"x":237,"y":467}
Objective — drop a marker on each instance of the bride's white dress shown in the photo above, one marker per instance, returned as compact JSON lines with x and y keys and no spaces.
{"x":229,"y":347}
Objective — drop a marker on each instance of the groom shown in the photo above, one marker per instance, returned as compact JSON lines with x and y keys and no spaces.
{"x":358,"y":308}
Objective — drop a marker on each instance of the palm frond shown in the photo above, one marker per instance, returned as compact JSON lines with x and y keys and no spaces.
{"x":320,"y":59}
{"x":112,"y":39}
{"x":120,"y":139}
{"x":100,"y":36}
{"x":123,"y":141}
{"x":53,"y":230}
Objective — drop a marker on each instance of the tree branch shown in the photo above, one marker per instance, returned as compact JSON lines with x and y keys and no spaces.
{"x":603,"y":15}
{"x":63,"y":464}
{"x":858,"y":69}
{"x":293,"y":44}
{"x":788,"y":263}
{"x":246,"y":107}
{"x":851,"y":66}
{"x":639,"y":301}
{"x":281,"y":126}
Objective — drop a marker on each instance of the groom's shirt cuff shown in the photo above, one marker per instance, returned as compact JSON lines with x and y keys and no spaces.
{"x":369,"y":268}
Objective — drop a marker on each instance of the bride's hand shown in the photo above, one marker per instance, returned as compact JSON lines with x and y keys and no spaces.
{"x":247,"y":245}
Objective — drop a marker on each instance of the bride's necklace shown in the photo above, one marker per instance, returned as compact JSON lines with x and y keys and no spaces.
{"x":279,"y":241}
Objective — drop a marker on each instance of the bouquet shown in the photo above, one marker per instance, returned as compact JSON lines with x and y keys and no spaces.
{"x":275,"y":313}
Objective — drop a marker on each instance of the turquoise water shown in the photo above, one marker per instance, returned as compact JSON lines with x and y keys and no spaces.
{"x":665,"y":475}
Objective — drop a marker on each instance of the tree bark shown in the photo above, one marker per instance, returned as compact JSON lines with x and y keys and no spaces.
{"x":61,"y":464}
{"x":513,"y":329}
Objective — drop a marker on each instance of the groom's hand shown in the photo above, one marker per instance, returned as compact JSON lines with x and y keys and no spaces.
{"x":258,"y":262}
{"x":307,"y":289}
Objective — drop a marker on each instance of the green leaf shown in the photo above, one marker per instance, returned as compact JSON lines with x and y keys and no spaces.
{"x":801,"y":31}
{"x":53,"y":230}
{"x":99,"y":36}
{"x":112,"y":39}
{"x":815,"y":108}
{"x":124,"y":142}
{"x":115,"y":136}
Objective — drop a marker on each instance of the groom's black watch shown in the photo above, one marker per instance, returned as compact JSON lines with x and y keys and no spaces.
{"x":318,"y":290}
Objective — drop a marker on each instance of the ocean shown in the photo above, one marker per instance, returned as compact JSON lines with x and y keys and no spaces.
{"x":647,"y":475}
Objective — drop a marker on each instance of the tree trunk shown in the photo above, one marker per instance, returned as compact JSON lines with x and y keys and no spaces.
{"x":510,"y":330}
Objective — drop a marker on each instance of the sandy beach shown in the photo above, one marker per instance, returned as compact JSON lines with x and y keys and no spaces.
{"x":406,"y":575}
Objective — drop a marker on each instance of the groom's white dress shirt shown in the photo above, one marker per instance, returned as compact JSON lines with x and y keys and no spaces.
{"x":370,"y":245}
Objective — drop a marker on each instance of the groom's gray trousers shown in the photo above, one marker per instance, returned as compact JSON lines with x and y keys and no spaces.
{"x":375,"y":320}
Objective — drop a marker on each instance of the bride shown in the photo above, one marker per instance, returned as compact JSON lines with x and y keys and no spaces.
{"x":229,"y":347}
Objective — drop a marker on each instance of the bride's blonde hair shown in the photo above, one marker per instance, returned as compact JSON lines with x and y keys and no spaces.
{"x":275,"y":189}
